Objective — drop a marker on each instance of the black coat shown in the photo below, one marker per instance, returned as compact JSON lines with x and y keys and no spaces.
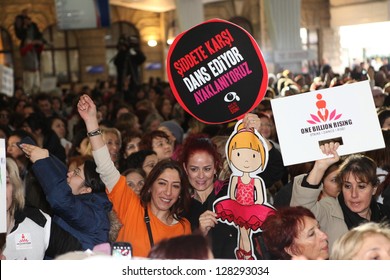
{"x":223,"y":238}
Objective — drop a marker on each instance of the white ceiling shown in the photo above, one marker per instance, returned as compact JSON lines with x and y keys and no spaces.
{"x":335,"y":3}
{"x":158,"y":6}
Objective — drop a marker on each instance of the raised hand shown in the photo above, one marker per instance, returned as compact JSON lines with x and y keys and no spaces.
{"x":320,"y":166}
{"x":252,"y":121}
{"x":329,"y":149}
{"x":34,"y":153}
{"x":86,"y":107}
{"x":87,"y":110}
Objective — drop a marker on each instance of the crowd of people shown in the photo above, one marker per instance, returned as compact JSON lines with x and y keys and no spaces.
{"x":133,"y":166}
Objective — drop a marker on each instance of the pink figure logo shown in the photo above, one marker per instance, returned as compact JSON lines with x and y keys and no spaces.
{"x":323,"y":112}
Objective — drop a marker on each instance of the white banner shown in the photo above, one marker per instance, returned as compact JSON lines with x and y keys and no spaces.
{"x":110,"y":268}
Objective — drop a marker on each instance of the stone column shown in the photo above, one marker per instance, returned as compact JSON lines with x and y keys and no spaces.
{"x":189,"y":13}
{"x":283,"y":22}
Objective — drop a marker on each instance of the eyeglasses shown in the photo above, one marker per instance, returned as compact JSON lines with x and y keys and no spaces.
{"x":76,"y":172}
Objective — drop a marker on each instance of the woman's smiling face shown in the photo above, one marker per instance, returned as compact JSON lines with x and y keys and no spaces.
{"x":165,"y":190}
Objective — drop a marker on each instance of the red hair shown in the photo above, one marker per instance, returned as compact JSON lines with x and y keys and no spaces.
{"x":199,"y":143}
{"x":281,"y":228}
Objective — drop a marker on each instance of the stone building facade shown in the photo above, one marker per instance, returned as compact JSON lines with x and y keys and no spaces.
{"x":314,"y":15}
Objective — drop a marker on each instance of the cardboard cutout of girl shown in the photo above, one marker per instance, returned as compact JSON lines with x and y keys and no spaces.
{"x":245,"y":207}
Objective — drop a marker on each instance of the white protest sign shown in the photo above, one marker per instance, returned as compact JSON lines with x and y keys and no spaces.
{"x":3,"y":187}
{"x":6,"y":80}
{"x":345,"y":114}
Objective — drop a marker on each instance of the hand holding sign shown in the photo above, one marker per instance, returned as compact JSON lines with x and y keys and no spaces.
{"x":217,"y":74}
{"x":245,"y":207}
{"x":327,"y":115}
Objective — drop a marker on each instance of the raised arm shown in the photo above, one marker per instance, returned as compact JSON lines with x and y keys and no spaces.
{"x":105,"y":167}
{"x":306,"y":188}
{"x":275,"y":168}
{"x":34,"y":153}
{"x":87,"y":110}
{"x":320,"y":166}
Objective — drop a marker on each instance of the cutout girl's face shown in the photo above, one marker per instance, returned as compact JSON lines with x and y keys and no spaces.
{"x":246,"y":160}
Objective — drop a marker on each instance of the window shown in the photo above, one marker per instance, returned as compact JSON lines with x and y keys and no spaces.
{"x":111,"y":40}
{"x":61,"y":58}
{"x":309,"y":39}
{"x":5,"y":48}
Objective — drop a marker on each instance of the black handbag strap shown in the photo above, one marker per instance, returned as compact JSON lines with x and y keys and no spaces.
{"x":147,"y":222}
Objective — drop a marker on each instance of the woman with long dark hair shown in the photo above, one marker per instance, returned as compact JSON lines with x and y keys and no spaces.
{"x":356,"y":202}
{"x":157,"y":213}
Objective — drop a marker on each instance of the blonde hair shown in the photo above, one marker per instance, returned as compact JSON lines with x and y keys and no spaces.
{"x":349,"y":244}
{"x":246,"y":139}
{"x":113,"y":130}
{"x":18,"y":200}
{"x":106,"y":130}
